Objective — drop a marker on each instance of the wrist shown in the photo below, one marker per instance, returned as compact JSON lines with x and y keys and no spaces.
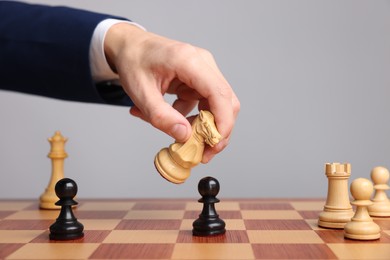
{"x":121,"y":36}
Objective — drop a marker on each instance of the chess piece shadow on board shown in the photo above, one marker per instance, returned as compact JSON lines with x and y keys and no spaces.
{"x":361,"y":226}
{"x":175,"y":162}
{"x":208,"y":223}
{"x":66,"y":226}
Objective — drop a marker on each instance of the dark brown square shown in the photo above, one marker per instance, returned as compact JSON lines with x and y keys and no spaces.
{"x":25,"y":224}
{"x":133,"y":251}
{"x":309,"y":214}
{"x":148,"y":224}
{"x":102,"y":214}
{"x":7,"y":249}
{"x":5,"y":213}
{"x":384,"y":223}
{"x":90,"y":236}
{"x":280,"y":224}
{"x":159,"y":206}
{"x":292,"y":251}
{"x":266,"y":206}
{"x":224,"y":214}
{"x":231,"y":236}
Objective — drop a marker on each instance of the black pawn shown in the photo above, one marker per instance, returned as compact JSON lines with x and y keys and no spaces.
{"x":66,"y":226}
{"x":208,"y":223}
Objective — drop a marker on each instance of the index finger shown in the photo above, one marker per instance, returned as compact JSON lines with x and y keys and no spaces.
{"x":201,"y":75}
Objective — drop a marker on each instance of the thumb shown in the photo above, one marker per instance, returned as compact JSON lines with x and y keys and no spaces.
{"x":163,"y":117}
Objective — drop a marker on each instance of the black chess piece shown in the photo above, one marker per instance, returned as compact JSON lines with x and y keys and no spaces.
{"x":66,"y":226}
{"x":208,"y":223}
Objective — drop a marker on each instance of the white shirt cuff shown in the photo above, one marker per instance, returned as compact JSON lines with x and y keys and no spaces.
{"x":100,"y":69}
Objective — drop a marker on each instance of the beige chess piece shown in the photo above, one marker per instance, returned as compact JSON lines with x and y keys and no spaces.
{"x":57,"y":155}
{"x":337,"y":210}
{"x":175,"y":163}
{"x":381,"y":204}
{"x":361,"y":226}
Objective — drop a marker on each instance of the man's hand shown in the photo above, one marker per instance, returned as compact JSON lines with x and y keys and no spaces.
{"x":150,"y":66}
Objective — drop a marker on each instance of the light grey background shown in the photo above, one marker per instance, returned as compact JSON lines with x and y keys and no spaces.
{"x":312,"y":76}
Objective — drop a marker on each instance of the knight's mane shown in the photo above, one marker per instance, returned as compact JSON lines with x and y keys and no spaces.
{"x":206,"y":131}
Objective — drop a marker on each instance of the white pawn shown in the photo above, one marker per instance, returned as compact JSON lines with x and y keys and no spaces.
{"x":361,"y":226}
{"x":381,"y":207}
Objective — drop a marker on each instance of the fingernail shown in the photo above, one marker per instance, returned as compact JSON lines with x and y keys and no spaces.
{"x":207,"y":157}
{"x":179,"y":132}
{"x":221,"y":145}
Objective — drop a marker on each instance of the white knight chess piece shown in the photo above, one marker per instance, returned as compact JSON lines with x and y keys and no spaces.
{"x":175,"y":163}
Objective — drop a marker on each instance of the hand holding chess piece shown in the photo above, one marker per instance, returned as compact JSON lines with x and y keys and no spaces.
{"x":361,"y":226}
{"x":381,"y":204}
{"x":175,"y":163}
{"x":66,"y":226}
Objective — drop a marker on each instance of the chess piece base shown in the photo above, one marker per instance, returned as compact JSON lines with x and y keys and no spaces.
{"x":334,"y":219}
{"x":335,"y":225}
{"x":66,"y":231}
{"x":169,"y":169}
{"x":208,"y":227}
{"x":379,"y":210}
{"x":380,"y":214}
{"x":66,"y":236}
{"x":362,"y":237}
{"x":362,"y":230}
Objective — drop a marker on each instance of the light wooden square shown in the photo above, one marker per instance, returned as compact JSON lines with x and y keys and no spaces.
{"x":186,"y":224}
{"x":54,"y":251}
{"x":308,"y":205}
{"x":106,"y":205}
{"x":142,"y":236}
{"x":18,"y":236}
{"x":14,"y":205}
{"x":313,"y":223}
{"x":284,"y":236}
{"x":361,"y":251}
{"x":212,"y":251}
{"x":100,"y":224}
{"x":35,"y":214}
{"x":155,"y":214}
{"x":270,"y":214}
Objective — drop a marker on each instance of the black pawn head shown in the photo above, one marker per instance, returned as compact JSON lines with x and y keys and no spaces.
{"x":66,"y":190}
{"x":208,"y":187}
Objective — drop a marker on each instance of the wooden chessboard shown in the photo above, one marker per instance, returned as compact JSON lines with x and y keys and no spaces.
{"x":161,"y":229}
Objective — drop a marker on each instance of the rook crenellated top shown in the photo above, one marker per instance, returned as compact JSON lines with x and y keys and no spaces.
{"x":337,"y":168}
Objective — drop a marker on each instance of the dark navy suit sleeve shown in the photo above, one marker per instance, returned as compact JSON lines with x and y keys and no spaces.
{"x":45,"y":51}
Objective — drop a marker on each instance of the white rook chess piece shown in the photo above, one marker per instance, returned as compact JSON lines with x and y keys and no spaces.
{"x":337,"y":210}
{"x":361,"y":226}
{"x":381,"y":204}
{"x":57,"y":155}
